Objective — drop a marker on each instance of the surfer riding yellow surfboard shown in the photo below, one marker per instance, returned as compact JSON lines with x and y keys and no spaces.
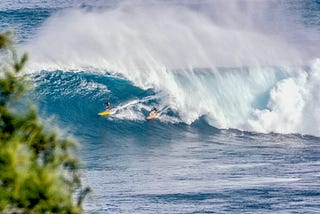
{"x":107,"y":111}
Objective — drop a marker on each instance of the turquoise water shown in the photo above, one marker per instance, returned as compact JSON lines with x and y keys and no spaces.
{"x":238,"y":95}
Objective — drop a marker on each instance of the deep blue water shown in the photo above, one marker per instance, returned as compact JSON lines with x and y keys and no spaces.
{"x":230,"y":138}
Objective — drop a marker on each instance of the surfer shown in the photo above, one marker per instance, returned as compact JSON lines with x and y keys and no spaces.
{"x":154,"y":110}
{"x":108,"y":106}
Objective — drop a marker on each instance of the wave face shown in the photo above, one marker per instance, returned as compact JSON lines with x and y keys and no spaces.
{"x":282,"y":100}
{"x":247,"y":68}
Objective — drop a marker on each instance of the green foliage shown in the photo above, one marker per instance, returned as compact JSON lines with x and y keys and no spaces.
{"x":5,"y":39}
{"x":38,"y":169}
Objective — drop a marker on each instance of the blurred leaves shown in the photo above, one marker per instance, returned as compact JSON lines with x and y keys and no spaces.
{"x":38,"y":169}
{"x":5,"y":39}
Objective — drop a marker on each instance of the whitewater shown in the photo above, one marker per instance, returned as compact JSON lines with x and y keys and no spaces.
{"x":236,"y":82}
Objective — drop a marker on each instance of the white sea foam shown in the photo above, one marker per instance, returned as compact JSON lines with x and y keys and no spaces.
{"x":294,"y":105}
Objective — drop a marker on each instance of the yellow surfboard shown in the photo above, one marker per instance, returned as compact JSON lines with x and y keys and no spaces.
{"x":104,"y":113}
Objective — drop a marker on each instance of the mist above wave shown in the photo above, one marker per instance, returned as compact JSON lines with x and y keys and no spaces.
{"x":132,"y":36}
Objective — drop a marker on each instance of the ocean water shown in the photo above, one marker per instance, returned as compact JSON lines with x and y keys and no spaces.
{"x":236,"y":82}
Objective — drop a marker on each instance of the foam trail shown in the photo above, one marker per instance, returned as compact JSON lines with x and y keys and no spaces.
{"x":131,"y":110}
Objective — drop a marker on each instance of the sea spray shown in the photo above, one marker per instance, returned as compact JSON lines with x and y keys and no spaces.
{"x":147,"y":37}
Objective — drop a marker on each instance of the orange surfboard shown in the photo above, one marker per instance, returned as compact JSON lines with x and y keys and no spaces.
{"x":152,"y":116}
